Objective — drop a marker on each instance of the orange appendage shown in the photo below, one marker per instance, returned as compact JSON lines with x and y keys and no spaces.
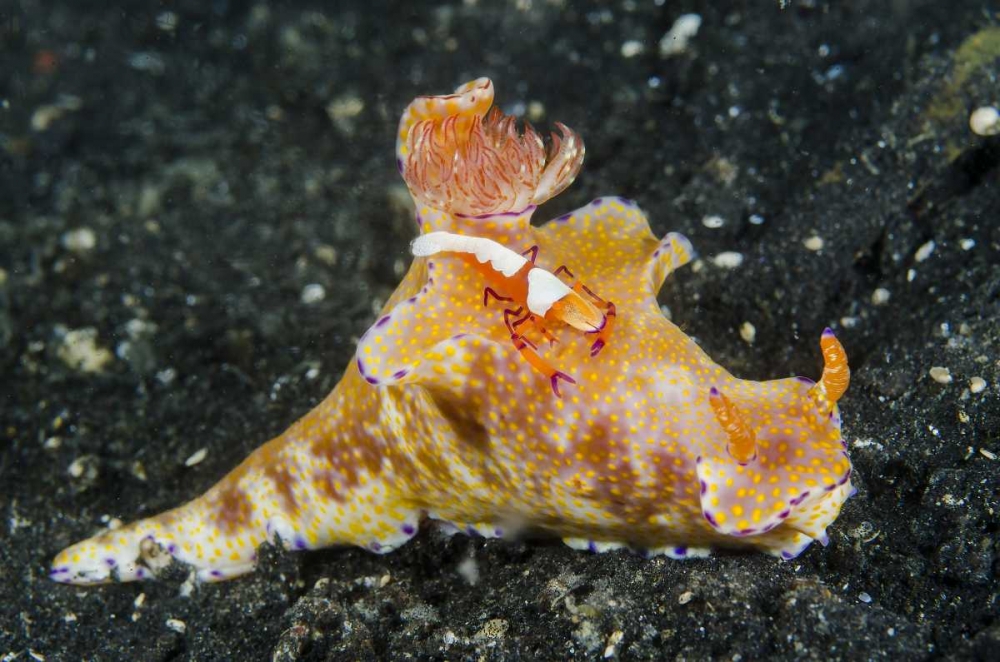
{"x":742,"y":444}
{"x":836,"y":373}
{"x":474,"y":165}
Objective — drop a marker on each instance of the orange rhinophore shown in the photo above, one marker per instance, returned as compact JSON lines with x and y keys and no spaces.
{"x":836,"y":373}
{"x":742,"y":444}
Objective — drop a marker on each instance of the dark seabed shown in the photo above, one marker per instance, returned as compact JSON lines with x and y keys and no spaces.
{"x":174,"y":176}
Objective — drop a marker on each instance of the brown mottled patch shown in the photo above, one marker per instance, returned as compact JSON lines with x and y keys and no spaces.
{"x":284,"y":484}
{"x":614,"y":489}
{"x":232,"y":508}
{"x":468,"y":428}
{"x":363,"y":452}
{"x":326,"y":482}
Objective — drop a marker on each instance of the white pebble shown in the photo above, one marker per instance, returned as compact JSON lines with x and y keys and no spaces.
{"x":167,"y":21}
{"x":45,"y":116}
{"x":632,"y":47}
{"x":985,"y":121}
{"x":748,"y":332}
{"x":977,"y":385}
{"x":313,"y":293}
{"x":728,"y":260}
{"x":989,"y":455}
{"x":80,"y":351}
{"x":177,"y":625}
{"x":924,"y":251}
{"x":613,"y":641}
{"x":79,"y":241}
{"x":713,"y":222}
{"x":940,"y":375}
{"x":881,"y":296}
{"x":196,"y":458}
{"x":967,"y":244}
{"x":681,"y":32}
{"x":864,"y":597}
{"x":76,"y":468}
{"x":814,"y":243}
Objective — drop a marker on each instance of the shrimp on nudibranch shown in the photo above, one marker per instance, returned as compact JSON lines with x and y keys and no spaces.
{"x":539,"y":295}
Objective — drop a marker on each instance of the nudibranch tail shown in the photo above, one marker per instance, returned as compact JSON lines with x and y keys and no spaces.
{"x":142,"y":549}
{"x":742,"y":444}
{"x":836,"y":373}
{"x":457,"y":157}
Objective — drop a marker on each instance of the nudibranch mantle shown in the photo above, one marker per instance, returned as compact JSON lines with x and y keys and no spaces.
{"x":651,"y":445}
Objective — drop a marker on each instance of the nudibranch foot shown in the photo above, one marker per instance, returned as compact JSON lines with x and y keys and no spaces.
{"x":680,"y":552}
{"x":594,"y":546}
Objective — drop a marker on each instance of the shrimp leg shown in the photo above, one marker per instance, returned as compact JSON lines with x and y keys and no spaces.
{"x":527,"y":349}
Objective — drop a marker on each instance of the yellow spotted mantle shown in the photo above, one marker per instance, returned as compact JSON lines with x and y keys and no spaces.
{"x":440,"y":417}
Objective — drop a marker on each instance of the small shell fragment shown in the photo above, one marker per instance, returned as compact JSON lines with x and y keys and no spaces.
{"x":713,"y":221}
{"x":675,"y":41}
{"x":196,"y":457}
{"x":940,"y":375}
{"x":312,"y":293}
{"x":814,"y":243}
{"x":924,"y":251}
{"x":728,"y":260}
{"x":881,"y":296}
{"x":977,"y":385}
{"x":985,"y":121}
{"x":177,"y":625}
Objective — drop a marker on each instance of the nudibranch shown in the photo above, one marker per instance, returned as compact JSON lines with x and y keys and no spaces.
{"x":443,"y":415}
